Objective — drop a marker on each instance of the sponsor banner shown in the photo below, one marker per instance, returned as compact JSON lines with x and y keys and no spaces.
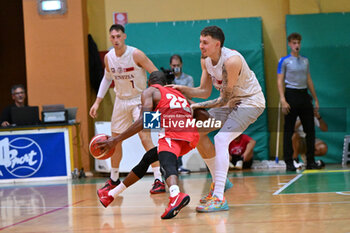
{"x":34,"y":154}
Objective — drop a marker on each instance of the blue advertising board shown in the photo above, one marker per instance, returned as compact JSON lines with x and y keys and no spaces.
{"x":34,"y":154}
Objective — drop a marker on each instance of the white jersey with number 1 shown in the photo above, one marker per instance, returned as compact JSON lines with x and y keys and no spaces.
{"x":129,"y":79}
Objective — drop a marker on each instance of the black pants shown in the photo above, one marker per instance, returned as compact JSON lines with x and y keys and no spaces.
{"x":179,"y":162}
{"x":300,"y":105}
{"x":246,"y":164}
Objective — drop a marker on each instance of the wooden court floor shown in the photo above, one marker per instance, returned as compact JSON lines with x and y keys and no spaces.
{"x":260,"y":201}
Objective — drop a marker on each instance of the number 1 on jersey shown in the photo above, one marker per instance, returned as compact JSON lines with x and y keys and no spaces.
{"x":132,"y":83}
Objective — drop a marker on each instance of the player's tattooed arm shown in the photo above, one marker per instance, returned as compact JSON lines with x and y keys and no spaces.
{"x":226,"y":93}
{"x":230,"y":72}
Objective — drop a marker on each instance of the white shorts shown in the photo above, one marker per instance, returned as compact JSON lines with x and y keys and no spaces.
{"x":125,"y":112}
{"x":236,"y":121}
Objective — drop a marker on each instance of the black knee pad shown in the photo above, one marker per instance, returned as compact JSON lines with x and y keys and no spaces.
{"x":168,"y":163}
{"x":149,"y":157}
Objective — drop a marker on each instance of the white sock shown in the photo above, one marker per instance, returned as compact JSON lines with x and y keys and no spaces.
{"x":220,"y":184}
{"x":117,"y":190}
{"x":157,"y":174}
{"x":211,"y":165}
{"x":174,"y":190}
{"x":221,"y":163}
{"x":115,"y":174}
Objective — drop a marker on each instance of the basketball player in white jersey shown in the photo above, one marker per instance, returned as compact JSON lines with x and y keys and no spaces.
{"x":126,"y":66}
{"x":240,"y":103}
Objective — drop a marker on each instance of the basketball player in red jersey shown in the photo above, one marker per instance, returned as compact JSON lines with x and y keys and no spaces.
{"x":173,"y":142}
{"x":126,"y":66}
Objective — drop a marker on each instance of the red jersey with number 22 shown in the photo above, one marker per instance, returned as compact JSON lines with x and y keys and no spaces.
{"x":175,"y":116}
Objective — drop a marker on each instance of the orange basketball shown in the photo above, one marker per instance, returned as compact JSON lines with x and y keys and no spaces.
{"x":96,"y":152}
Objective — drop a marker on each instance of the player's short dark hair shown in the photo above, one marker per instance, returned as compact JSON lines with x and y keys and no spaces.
{"x":176,"y":56}
{"x":117,"y":27}
{"x":157,"y":77}
{"x":215,"y":32}
{"x":294,"y":36}
{"x":14,"y":87}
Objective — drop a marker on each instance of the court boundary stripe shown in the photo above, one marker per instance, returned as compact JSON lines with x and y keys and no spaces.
{"x":37,"y":216}
{"x":286,"y":185}
{"x":324,"y":171}
{"x":313,"y":192}
{"x":342,"y":193}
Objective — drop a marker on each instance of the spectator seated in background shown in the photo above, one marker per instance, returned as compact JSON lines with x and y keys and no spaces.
{"x":241,"y":152}
{"x":299,"y":141}
{"x":19,"y":96}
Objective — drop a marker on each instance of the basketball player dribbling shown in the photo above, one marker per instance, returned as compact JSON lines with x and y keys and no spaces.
{"x":173,"y":142}
{"x":126,"y":66}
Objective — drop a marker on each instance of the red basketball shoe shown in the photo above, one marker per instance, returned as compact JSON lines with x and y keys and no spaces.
{"x":102,"y":193}
{"x":175,"y":205}
{"x":105,"y":199}
{"x":158,"y":187}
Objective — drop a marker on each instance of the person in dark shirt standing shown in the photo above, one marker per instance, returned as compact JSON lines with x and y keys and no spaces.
{"x":19,"y":97}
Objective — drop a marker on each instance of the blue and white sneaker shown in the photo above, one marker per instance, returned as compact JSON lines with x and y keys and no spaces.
{"x":214,"y":204}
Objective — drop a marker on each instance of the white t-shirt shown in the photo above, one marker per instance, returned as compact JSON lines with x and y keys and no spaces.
{"x":247,"y":85}
{"x":129,"y":79}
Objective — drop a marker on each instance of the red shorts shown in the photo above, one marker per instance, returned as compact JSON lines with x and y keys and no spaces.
{"x":178,"y":147}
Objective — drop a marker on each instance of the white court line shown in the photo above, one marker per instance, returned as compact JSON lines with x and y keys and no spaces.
{"x":341,"y":193}
{"x":316,"y":192}
{"x":286,"y":185}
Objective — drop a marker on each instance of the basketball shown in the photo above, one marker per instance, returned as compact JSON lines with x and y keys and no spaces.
{"x":96,"y":152}
{"x":200,"y":114}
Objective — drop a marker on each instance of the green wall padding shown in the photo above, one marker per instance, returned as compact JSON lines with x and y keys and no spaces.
{"x":326,"y":42}
{"x":161,"y":40}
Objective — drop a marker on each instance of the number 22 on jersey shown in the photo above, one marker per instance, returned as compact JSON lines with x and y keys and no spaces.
{"x":178,"y":102}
